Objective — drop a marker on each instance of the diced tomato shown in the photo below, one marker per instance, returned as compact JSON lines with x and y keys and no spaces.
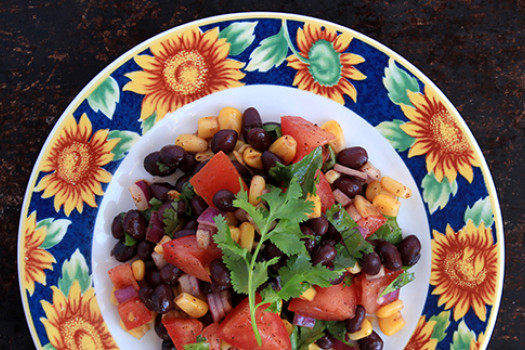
{"x":182,"y":331}
{"x":371,"y":223}
{"x":122,"y":276}
{"x":134,"y":313}
{"x":218,"y":174}
{"x":324,"y":191}
{"x":236,"y":329}
{"x":335,"y":303}
{"x":369,"y":290}
{"x":307,"y":135}
{"x":210,"y":333}
{"x":184,"y":253}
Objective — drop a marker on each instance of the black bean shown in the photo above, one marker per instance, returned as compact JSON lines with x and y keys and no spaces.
{"x":217,"y":288}
{"x":219,"y":273}
{"x":152,"y":277}
{"x":410,"y":250}
{"x":181,"y":208}
{"x":349,"y":186}
{"x":184,"y":233}
{"x":324,"y":342}
{"x":144,"y":250}
{"x":160,"y":329}
{"x":179,"y":184}
{"x":198,"y":205}
{"x":200,"y":166}
{"x":242,"y":170}
{"x":372,"y":342}
{"x":206,"y":319}
{"x":163,"y":298}
{"x":168,"y":345}
{"x":352,"y":157}
{"x":318,"y":225}
{"x":169,"y":274}
{"x":338,"y":280}
{"x":172,"y":155}
{"x":160,"y":190}
{"x":122,"y":252}
{"x":135,"y":224}
{"x":389,"y":255}
{"x":191,"y":225}
{"x":145,"y":294}
{"x":271,"y":251}
{"x":309,"y":242}
{"x":371,"y":263}
{"x":324,"y":255}
{"x":251,"y":119}
{"x":259,"y":139}
{"x":224,"y":140}
{"x":117,"y":229}
{"x":223,"y":200}
{"x":269,"y":160}
{"x":354,"y":324}
{"x":155,"y":167}
{"x":188,"y":163}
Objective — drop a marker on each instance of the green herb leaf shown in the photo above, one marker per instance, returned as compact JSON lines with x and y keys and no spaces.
{"x":287,"y":237}
{"x":163,"y":167}
{"x":170,"y":219}
{"x":330,"y":162}
{"x":128,"y":240}
{"x":274,"y":130}
{"x":201,"y":344}
{"x":307,"y":336}
{"x":389,"y":231}
{"x":155,"y":203}
{"x":400,"y":281}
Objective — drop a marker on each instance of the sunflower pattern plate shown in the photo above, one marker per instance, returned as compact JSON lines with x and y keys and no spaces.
{"x":187,"y":63}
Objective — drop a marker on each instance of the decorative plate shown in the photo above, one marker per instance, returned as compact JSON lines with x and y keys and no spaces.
{"x":281,"y":64}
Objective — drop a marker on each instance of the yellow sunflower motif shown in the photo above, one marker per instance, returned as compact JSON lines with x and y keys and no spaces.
{"x":34,"y":259}
{"x":477,"y":344}
{"x":75,"y":322}
{"x":439,"y":136}
{"x":75,"y":161}
{"x":322,"y":67}
{"x":183,"y":69}
{"x":464,"y":269}
{"x":421,"y":338}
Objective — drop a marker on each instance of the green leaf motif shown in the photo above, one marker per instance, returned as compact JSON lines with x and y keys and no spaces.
{"x":55,"y":231}
{"x":127,"y":140}
{"x":397,"y":82}
{"x":239,"y":35}
{"x":74,"y":269}
{"x":462,"y":338}
{"x":399,"y":139}
{"x":481,"y":211}
{"x":105,"y":97}
{"x":48,"y":346}
{"x":442,"y":322}
{"x":148,"y":123}
{"x":270,"y":53}
{"x":437,"y":194}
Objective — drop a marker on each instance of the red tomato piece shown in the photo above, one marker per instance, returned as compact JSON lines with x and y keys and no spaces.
{"x":324,"y":191}
{"x":184,"y":253}
{"x":371,"y":223}
{"x":218,"y":174}
{"x":307,"y":134}
{"x":134,"y":313}
{"x":182,"y":331}
{"x":122,"y":276}
{"x":210,"y":333}
{"x":236,"y":329}
{"x":369,"y":290}
{"x":335,"y":303}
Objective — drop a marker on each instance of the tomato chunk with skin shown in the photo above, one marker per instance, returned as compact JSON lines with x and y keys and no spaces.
{"x":371,"y":224}
{"x":218,"y":174}
{"x":324,"y":191}
{"x":182,"y":331}
{"x":122,"y":276}
{"x":185,"y":254}
{"x":236,"y":329}
{"x":134,"y":313}
{"x":369,"y":290}
{"x":307,"y":134}
{"x":210,"y":333}
{"x":335,"y":303}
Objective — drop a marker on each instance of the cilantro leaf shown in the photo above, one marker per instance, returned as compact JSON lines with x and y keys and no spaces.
{"x":186,"y":195}
{"x":307,"y":336}
{"x":163,"y":167}
{"x":201,"y":344}
{"x":329,"y":164}
{"x":128,"y":240}
{"x":170,"y":218}
{"x":389,"y":231}
{"x":274,"y":130}
{"x":400,"y":281}
{"x":155,"y":203}
{"x":287,"y":237}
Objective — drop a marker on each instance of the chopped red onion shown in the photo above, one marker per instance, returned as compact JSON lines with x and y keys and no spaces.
{"x":124,"y":294}
{"x":226,"y":301}
{"x":217,"y":308}
{"x":189,"y":284}
{"x":351,"y":172}
{"x":203,"y":236}
{"x":388,"y":298}
{"x":155,"y":230}
{"x":341,"y":198}
{"x":140,"y":193}
{"x":303,"y":321}
{"x":206,"y":218}
{"x":158,"y":259}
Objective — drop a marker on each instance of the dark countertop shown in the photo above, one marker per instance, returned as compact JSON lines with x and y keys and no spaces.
{"x":473,"y":50}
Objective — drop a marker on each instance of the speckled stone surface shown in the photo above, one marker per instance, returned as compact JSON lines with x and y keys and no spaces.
{"x":473,"y":50}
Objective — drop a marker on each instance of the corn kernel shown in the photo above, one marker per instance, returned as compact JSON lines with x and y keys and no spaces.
{"x":138,"y":268}
{"x":285,"y":147}
{"x":225,"y":346}
{"x":332,"y":175}
{"x":230,"y":118}
{"x":247,"y":235}
{"x":333,"y":127}
{"x":354,"y":269}
{"x":373,"y":189}
{"x":392,"y":324}
{"x":191,"y":305}
{"x":313,"y":346}
{"x":238,"y":157}
{"x":316,"y":200}
{"x":390,"y":309}
{"x":191,"y":143}
{"x":235,"y":232}
{"x":207,"y":127}
{"x":395,"y":187}
{"x":140,"y":331}
{"x":204,"y":156}
{"x":240,"y":145}
{"x":387,"y":205}
{"x":365,"y":331}
{"x":252,"y":158}
{"x":364,"y":207}
{"x":309,"y":294}
{"x":112,"y":298}
{"x":159,"y":249}
{"x":257,"y":186}
{"x":289,"y":327}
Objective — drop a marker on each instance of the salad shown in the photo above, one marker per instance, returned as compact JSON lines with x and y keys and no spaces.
{"x":272,"y":236}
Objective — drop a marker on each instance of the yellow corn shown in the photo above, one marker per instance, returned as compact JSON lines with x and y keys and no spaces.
{"x":354,"y":269}
{"x":138,"y":268}
{"x":373,"y":189}
{"x":365,"y":331}
{"x":235,"y":232}
{"x":204,"y":156}
{"x":159,"y":249}
{"x":316,"y":200}
{"x":257,"y":186}
{"x":137,"y":332}
{"x":191,"y":305}
{"x":225,"y":346}
{"x":332,"y":175}
{"x":392,"y":324}
{"x":386,"y":204}
{"x":285,"y":148}
{"x":252,"y":158}
{"x":207,"y":127}
{"x":390,"y":309}
{"x":364,"y":207}
{"x":238,"y":157}
{"x":112,"y":298}
{"x":230,"y":118}
{"x":239,"y":146}
{"x":333,"y":127}
{"x":309,"y":294}
{"x":289,"y":327}
{"x":191,"y":143}
{"x":247,"y":235}
{"x":173,"y":194}
{"x":395,"y":187}
{"x":313,"y":346}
